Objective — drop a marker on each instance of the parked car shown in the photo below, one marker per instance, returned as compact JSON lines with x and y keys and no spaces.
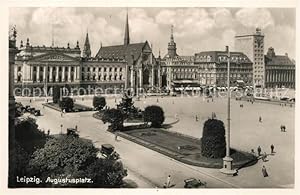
{"x":108,"y":151}
{"x":72,"y":131}
{"x":37,"y":113}
{"x":194,"y":183}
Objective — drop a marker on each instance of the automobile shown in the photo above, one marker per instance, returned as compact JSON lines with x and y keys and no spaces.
{"x":108,"y":151}
{"x":27,"y":108}
{"x":37,"y":113}
{"x":292,"y":99}
{"x":72,"y":131}
{"x":194,"y":183}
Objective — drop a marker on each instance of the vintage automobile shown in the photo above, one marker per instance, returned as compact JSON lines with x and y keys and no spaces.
{"x":194,"y":183}
{"x":72,"y":131}
{"x":37,"y":113}
{"x":108,"y":151}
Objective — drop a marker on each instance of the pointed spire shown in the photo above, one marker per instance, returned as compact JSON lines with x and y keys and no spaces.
{"x":172,"y":37}
{"x":126,"y":36}
{"x":86,"y":53}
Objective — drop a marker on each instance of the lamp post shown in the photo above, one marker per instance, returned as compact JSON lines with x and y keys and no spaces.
{"x":227,"y":160}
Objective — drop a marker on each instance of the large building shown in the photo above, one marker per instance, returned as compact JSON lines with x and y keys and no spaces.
{"x":253,"y":46}
{"x":212,"y":68}
{"x":120,"y":66}
{"x":177,"y":70}
{"x":280,"y":70}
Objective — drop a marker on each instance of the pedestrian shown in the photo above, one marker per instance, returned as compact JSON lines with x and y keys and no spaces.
{"x":264,"y":157}
{"x":258,"y":150}
{"x":252,"y":151}
{"x":196,"y":118}
{"x":260,"y":119}
{"x":47,"y":100}
{"x":29,"y":100}
{"x":48,"y":132}
{"x":272,"y":148}
{"x":157,"y":100}
{"x":284,"y":128}
{"x":76,"y":127}
{"x":264,"y":171}
{"x":116,"y":136}
{"x":168,"y":181}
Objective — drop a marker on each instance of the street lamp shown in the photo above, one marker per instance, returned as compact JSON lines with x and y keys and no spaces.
{"x":227,"y":160}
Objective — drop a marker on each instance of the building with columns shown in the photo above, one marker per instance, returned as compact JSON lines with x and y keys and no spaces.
{"x":253,"y":47}
{"x":119,"y":66}
{"x":280,"y":70}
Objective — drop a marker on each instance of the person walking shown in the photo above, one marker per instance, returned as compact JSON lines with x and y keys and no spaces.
{"x":196,"y":118}
{"x":48,"y":132}
{"x":168,"y":181}
{"x":259,"y":150}
{"x":264,"y":171}
{"x":116,"y":136}
{"x":260,"y":119}
{"x":264,"y":157}
{"x":272,"y":148}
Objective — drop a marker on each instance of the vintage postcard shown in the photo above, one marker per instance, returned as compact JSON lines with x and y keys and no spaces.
{"x":162,"y":97}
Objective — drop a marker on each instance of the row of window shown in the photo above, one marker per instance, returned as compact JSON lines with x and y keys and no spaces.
{"x":104,"y":78}
{"x":94,"y":69}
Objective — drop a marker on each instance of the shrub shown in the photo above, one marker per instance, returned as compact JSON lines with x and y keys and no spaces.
{"x":66,"y":103}
{"x":115,"y":118}
{"x":213,"y":143}
{"x":155,"y":115}
{"x":99,"y":102}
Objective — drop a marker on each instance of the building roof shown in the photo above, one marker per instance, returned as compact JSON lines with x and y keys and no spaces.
{"x":220,"y":56}
{"x":278,"y":60}
{"x":122,"y":51}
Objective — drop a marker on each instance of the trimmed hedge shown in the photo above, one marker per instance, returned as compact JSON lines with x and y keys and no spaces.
{"x":213,"y":144}
{"x":155,"y":115}
{"x":66,"y":103}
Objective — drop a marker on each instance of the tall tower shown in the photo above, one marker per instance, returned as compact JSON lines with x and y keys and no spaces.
{"x":172,"y":46}
{"x":253,"y":46}
{"x":86,"y":53}
{"x":126,"y":36}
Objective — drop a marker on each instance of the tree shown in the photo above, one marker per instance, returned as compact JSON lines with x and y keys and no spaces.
{"x":28,"y":135}
{"x":72,"y":157}
{"x":66,"y":103}
{"x":213,"y":143}
{"x":155,"y":115}
{"x":99,"y":102}
{"x":56,"y":94}
{"x":115,"y":118}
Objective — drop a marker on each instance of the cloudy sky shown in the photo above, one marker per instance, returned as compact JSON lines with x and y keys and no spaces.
{"x":195,"y":29}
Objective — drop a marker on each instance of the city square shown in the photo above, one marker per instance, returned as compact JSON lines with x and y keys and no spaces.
{"x":245,"y":118}
{"x":176,"y":108}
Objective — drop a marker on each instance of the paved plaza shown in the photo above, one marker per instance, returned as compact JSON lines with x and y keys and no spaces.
{"x":148,"y":168}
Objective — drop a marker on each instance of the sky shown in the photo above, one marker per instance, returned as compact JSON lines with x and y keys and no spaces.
{"x":195,"y":29}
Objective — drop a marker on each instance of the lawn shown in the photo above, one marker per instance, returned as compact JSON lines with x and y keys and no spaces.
{"x":76,"y":108}
{"x":183,"y":148}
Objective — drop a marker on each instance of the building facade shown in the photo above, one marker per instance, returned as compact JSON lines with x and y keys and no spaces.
{"x":280,"y":70}
{"x":253,"y":47}
{"x":212,"y":68}
{"x":177,"y":70}
{"x":119,"y":66}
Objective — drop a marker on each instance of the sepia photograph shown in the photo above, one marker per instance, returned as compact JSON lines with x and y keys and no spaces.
{"x":155,"y":97}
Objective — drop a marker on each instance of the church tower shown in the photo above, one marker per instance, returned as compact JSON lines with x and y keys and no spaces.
{"x":126,"y":36}
{"x":172,"y":46}
{"x":87,"y":48}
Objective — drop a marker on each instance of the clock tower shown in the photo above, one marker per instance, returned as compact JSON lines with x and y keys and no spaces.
{"x":253,"y":46}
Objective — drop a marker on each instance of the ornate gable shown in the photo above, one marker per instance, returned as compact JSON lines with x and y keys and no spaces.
{"x":54,"y":57}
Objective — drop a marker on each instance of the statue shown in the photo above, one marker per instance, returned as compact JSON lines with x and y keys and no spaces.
{"x":13,"y":33}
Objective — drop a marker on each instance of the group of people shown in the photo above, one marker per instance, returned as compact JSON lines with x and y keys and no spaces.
{"x":264,"y":158}
{"x":283,"y":128}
